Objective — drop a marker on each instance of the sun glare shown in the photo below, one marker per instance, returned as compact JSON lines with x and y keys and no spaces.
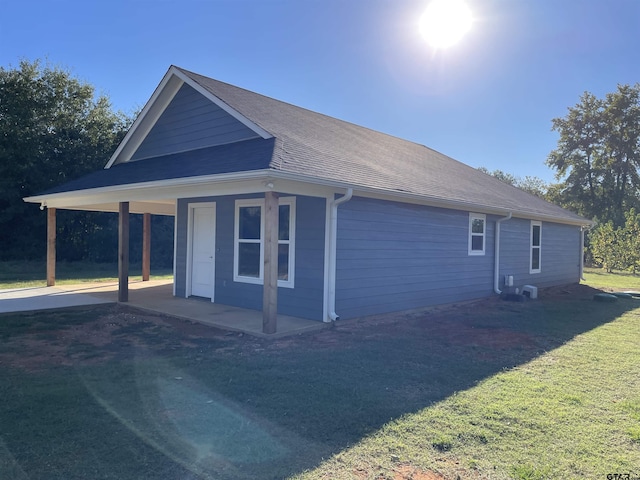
{"x":445,"y":22}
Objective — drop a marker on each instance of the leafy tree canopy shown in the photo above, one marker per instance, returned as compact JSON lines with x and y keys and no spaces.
{"x":53,"y":128}
{"x":597,"y":158}
{"x":618,"y":248}
{"x":533,"y":185}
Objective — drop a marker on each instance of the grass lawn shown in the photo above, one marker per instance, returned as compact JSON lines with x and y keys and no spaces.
{"x":598,"y":277}
{"x":20,"y":274}
{"x":496,"y":390}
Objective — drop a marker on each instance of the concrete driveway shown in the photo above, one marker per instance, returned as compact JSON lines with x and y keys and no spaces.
{"x":45,"y":298}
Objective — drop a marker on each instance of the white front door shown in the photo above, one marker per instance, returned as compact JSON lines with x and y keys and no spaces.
{"x":203,"y":250}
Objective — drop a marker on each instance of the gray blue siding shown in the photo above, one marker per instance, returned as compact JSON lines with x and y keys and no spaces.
{"x":394,"y":256}
{"x":559,"y":254}
{"x":189,"y":122}
{"x":305,"y":300}
{"x":390,"y":257}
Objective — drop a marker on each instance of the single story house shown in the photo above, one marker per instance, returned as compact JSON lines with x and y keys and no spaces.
{"x":293,"y":212}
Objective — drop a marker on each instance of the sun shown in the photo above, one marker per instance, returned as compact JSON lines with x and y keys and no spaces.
{"x":445,"y":22}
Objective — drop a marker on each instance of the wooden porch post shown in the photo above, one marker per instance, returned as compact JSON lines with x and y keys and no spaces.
{"x":146,"y":246}
{"x":51,"y":247}
{"x":123,"y":252}
{"x":270,"y":291}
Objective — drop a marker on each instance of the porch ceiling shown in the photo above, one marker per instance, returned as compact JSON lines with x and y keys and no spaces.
{"x":160,"y":197}
{"x":160,"y":207}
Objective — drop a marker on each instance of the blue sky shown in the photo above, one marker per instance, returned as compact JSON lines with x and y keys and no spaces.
{"x":487,"y":101}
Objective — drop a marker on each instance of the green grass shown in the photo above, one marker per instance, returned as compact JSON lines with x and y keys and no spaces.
{"x":23,"y":274}
{"x":598,"y":277}
{"x":570,"y":413}
{"x":541,"y":390}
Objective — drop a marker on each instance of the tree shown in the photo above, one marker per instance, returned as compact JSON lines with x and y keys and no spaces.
{"x":604,"y":246}
{"x":617,"y":247}
{"x":53,"y":128}
{"x":598,"y":155}
{"x":630,"y":241}
{"x":533,"y":185}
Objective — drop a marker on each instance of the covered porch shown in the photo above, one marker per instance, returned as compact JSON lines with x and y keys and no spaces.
{"x":192,"y":155}
{"x":154,"y":296}
{"x":315,"y":232}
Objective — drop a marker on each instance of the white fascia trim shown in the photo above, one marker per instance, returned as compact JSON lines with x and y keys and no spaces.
{"x":155,"y":187}
{"x":256,"y":181}
{"x":154,"y":208}
{"x":207,"y":94}
{"x":467,"y":207}
{"x":155,"y":106}
{"x":316,"y":188}
{"x":370,"y":192}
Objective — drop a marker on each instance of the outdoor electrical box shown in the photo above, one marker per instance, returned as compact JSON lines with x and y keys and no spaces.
{"x":530,"y":291}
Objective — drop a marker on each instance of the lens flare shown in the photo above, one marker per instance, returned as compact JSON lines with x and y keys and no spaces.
{"x":445,"y":22}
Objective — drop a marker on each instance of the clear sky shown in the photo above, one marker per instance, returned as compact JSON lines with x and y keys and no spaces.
{"x":487,"y":101}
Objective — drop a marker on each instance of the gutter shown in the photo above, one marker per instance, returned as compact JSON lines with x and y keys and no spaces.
{"x":333,"y":240}
{"x":83,"y":197}
{"x":431,"y":200}
{"x":496,"y":255}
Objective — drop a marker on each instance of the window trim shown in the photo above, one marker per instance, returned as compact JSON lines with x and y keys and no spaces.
{"x":257,"y":202}
{"x":535,"y":223}
{"x":472,"y":217}
{"x":236,"y":241}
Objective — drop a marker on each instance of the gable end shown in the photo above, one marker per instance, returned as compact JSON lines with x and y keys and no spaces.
{"x":190,"y":122}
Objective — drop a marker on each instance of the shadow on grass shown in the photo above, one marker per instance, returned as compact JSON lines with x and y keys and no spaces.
{"x":165,"y":403}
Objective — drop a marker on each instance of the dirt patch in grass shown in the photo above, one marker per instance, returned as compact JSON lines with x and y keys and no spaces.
{"x":411,"y":472}
{"x":402,"y":472}
{"x":102,"y":333}
{"x":407,"y":472}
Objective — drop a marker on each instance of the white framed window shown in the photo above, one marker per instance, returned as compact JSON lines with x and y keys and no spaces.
{"x":477,"y":231}
{"x":248,"y":249}
{"x":248,"y":255}
{"x":535,"y":261}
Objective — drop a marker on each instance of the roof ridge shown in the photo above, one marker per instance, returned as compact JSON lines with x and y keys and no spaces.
{"x":319,"y":145}
{"x":192,"y":74}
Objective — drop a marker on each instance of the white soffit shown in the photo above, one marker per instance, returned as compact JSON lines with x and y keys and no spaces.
{"x":154,"y":208}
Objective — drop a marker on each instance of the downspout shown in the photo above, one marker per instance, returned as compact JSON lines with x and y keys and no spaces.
{"x":496,"y":255}
{"x":333,"y":240}
{"x":582,"y":230}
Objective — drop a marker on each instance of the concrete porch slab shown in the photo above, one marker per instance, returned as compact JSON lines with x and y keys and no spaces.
{"x":154,"y":296}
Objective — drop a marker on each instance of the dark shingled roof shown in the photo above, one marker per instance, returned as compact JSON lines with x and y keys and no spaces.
{"x":233,"y":157}
{"x":327,"y":149}
{"x":317,"y":145}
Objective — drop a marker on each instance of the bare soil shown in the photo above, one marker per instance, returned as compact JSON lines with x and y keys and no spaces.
{"x":114,"y":331}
